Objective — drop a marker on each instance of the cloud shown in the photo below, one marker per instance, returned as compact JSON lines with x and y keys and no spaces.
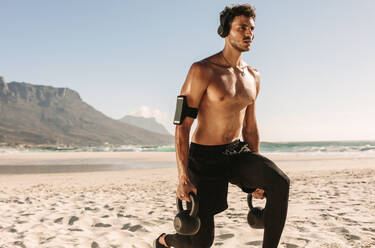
{"x":161,"y":117}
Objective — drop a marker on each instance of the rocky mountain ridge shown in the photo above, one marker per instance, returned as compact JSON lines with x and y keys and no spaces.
{"x":37,"y":114}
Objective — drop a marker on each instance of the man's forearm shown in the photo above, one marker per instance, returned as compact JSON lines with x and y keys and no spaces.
{"x":252,"y":138}
{"x":182,"y":151}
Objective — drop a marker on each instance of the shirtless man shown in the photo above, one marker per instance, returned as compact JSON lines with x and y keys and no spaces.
{"x":223,"y":89}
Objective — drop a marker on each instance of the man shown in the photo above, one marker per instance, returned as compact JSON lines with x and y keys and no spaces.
{"x":223,"y":89}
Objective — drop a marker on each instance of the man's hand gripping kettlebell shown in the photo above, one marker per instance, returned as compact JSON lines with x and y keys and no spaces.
{"x":184,"y":188}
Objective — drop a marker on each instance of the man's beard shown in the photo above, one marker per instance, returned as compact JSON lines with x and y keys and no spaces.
{"x":236,"y":45}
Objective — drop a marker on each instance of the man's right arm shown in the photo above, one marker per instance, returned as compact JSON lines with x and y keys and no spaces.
{"x":193,"y":88}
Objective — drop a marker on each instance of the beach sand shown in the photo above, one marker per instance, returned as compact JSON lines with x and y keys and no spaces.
{"x":331,"y":202}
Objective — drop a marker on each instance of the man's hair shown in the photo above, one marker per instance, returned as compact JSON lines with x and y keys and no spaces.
{"x":228,"y":14}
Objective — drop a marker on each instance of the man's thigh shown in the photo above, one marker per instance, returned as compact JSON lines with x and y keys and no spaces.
{"x":250,"y":170}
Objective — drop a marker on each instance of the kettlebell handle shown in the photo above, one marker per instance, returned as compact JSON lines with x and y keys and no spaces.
{"x":194,"y":207}
{"x":250,"y":199}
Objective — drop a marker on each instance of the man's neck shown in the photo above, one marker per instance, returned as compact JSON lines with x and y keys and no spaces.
{"x":232,"y":55}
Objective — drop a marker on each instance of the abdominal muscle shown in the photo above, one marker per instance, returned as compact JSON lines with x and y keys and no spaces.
{"x":214,"y":128}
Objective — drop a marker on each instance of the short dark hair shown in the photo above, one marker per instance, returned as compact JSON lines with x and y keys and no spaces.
{"x":228,"y":14}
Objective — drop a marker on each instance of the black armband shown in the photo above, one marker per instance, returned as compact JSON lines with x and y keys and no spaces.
{"x":183,"y":110}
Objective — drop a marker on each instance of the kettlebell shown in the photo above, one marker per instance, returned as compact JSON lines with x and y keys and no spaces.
{"x":187,"y":222}
{"x":255,"y":217}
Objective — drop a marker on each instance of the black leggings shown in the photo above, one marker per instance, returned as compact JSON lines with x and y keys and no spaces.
{"x":204,"y":237}
{"x":211,"y":168}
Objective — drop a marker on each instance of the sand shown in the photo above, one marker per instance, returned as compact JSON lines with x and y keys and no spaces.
{"x":331,"y":202}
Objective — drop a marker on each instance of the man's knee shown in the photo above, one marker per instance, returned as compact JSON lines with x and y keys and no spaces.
{"x":281,"y":180}
{"x":287,"y":180}
{"x":283,"y":184}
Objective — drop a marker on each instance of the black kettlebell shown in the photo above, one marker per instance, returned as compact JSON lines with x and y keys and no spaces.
{"x":255,"y":217}
{"x":187,"y":222}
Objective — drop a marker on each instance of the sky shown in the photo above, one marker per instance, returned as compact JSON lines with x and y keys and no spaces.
{"x":316,"y":58}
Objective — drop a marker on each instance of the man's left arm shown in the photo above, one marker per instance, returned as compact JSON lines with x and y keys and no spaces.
{"x":250,"y":132}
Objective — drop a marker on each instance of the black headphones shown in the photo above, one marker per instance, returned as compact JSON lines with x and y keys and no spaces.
{"x":223,"y":29}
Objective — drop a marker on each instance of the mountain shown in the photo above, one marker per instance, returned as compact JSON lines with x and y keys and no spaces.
{"x":37,"y":114}
{"x":147,"y":123}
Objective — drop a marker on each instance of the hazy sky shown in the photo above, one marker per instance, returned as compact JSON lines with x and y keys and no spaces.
{"x":316,"y":58}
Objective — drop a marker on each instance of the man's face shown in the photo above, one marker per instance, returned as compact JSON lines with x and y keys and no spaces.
{"x":241,"y":33}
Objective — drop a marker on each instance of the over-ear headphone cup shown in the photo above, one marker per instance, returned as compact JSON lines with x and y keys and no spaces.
{"x":223,"y":29}
{"x":220,"y":31}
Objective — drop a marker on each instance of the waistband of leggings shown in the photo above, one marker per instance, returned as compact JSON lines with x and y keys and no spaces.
{"x":213,"y":148}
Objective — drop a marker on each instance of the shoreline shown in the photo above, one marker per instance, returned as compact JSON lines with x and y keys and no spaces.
{"x":41,"y":162}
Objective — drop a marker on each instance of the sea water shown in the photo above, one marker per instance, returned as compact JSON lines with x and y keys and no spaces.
{"x":266,"y":147}
{"x":344,"y":148}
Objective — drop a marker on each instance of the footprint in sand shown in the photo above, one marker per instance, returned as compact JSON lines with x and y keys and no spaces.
{"x":72,"y":220}
{"x":288,"y":245}
{"x":94,"y":245}
{"x":102,"y":225}
{"x":108,"y":207}
{"x":341,"y":230}
{"x":75,"y":229}
{"x":257,"y":242}
{"x":133,"y":228}
{"x":59,"y":220}
{"x":302,"y":229}
{"x":92,"y":209}
{"x":225,"y":236}
{"x":364,"y":229}
{"x":350,"y":237}
{"x":345,"y":233}
{"x":131,"y":216}
{"x":26,"y":214}
{"x":302,"y":239}
{"x":19,"y":243}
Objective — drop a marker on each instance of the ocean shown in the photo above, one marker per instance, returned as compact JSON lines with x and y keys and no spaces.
{"x":82,"y":163}
{"x":319,"y":147}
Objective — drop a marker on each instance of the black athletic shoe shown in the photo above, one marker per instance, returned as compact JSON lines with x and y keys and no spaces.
{"x":157,"y":244}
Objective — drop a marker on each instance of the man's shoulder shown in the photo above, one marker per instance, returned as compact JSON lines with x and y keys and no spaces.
{"x":212,"y":59}
{"x":256,"y":76}
{"x":199,"y":72}
{"x":205,"y":62}
{"x":253,"y":71}
{"x":203,"y":65}
{"x":198,"y":68}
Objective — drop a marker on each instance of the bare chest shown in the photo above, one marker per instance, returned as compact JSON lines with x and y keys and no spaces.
{"x":232,"y":88}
